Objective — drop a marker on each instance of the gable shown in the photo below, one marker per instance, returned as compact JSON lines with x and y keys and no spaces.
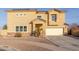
{"x":56,"y":10}
{"x":38,"y":20}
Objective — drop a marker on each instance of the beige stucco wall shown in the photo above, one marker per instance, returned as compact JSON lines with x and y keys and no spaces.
{"x":13,"y":20}
{"x":59,"y":20}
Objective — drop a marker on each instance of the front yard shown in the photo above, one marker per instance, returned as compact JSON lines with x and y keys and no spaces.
{"x":59,"y":43}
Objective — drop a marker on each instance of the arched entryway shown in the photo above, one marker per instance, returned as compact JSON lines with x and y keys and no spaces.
{"x":38,"y":27}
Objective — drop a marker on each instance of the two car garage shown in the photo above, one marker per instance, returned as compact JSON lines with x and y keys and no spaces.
{"x":54,"y":31}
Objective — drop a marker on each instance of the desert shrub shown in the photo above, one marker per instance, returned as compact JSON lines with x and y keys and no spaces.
{"x":18,"y":35}
{"x":76,"y":33}
{"x":5,"y":27}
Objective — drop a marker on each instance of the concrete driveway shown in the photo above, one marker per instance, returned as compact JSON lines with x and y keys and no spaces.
{"x":68,"y":43}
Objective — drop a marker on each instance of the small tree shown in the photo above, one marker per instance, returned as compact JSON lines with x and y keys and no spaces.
{"x":4,"y":27}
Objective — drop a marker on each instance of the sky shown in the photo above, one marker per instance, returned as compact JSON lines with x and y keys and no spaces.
{"x":71,"y":15}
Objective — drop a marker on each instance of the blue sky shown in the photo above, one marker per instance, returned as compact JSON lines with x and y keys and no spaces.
{"x":71,"y":16}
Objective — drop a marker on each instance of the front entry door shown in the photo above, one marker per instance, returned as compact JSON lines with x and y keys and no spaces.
{"x":38,"y":28}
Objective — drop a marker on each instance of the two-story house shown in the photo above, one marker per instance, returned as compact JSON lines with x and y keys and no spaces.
{"x":38,"y":23}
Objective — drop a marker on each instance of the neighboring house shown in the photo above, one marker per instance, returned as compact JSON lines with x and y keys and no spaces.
{"x":39,"y":23}
{"x":75,"y":30}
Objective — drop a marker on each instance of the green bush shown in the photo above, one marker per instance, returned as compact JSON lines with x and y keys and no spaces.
{"x":76,"y":33}
{"x":5,"y":27}
{"x":18,"y":35}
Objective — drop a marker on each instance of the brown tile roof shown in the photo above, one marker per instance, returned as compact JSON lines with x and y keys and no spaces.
{"x":43,"y":12}
{"x":26,"y":10}
{"x":58,"y":10}
{"x":21,"y":10}
{"x":32,"y":10}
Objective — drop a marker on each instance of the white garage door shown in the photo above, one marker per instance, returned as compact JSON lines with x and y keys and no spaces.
{"x":54,"y":31}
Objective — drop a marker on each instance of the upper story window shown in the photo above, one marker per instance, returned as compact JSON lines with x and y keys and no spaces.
{"x":16,"y":14}
{"x":20,"y":14}
{"x":39,"y":17}
{"x":24,"y":14}
{"x":54,"y":17}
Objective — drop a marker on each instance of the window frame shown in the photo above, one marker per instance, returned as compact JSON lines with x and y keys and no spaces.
{"x":25,"y":28}
{"x":55,"y":17}
{"x":21,"y":28}
{"x":17,"y":29}
{"x":17,"y":14}
{"x":20,"y":14}
{"x":39,"y":17}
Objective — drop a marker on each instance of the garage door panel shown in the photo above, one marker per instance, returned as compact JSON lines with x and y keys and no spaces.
{"x":54,"y":31}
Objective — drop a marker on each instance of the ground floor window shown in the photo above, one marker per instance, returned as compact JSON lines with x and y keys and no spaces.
{"x":21,"y":28}
{"x":25,"y":28}
{"x":17,"y":28}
